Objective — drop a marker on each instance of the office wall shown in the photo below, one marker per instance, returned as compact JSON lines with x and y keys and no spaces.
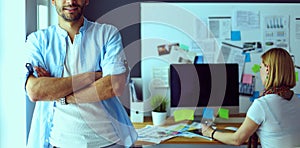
{"x":166,"y":23}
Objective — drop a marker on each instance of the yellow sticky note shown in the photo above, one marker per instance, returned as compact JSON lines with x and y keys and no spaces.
{"x":297,"y":75}
{"x":224,"y":113}
{"x":183,"y":114}
{"x":179,"y":128}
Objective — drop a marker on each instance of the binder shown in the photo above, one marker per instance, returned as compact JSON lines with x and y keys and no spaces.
{"x":136,"y":105}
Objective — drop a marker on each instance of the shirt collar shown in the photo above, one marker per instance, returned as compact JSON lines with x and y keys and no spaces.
{"x":65,"y":33}
{"x":84,"y":26}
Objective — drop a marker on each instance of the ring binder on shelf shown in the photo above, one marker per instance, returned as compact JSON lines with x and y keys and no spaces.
{"x":136,"y":103}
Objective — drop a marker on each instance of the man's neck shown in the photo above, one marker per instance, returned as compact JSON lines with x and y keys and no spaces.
{"x":71,"y":27}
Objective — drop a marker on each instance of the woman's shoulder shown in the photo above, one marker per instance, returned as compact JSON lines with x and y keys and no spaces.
{"x":268,"y":97}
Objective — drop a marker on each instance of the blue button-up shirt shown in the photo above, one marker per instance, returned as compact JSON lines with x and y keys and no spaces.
{"x":101,"y":50}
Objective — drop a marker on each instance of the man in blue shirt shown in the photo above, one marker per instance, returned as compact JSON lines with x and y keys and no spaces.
{"x":80,"y":70}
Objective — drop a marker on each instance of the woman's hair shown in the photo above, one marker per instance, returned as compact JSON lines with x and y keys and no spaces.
{"x":281,"y":68}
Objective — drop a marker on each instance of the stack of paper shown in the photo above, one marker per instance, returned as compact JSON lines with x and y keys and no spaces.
{"x":157,"y":134}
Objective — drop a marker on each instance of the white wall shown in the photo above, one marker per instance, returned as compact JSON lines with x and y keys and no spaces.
{"x":12,"y":100}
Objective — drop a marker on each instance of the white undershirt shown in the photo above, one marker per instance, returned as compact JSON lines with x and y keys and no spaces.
{"x":80,"y":125}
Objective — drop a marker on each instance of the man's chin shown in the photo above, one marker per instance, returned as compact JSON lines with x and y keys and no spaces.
{"x":71,"y":18}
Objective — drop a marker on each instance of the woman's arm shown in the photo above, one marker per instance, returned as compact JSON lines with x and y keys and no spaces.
{"x":247,"y":128}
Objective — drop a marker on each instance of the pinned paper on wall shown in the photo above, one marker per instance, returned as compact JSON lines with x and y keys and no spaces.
{"x":220,"y":27}
{"x":255,"y":68}
{"x":160,"y":77}
{"x":166,"y":48}
{"x":247,"y":78}
{"x":208,"y":113}
{"x":297,"y":75}
{"x":183,"y":114}
{"x":224,"y":113}
{"x":247,"y":57}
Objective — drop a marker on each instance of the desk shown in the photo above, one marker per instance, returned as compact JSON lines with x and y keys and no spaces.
{"x":183,"y":141}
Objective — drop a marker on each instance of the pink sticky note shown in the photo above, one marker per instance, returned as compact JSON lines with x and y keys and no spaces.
{"x":247,"y":78}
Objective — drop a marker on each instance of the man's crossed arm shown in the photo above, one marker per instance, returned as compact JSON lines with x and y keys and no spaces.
{"x":81,"y":88}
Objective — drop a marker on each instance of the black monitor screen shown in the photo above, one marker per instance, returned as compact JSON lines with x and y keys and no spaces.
{"x":201,"y":85}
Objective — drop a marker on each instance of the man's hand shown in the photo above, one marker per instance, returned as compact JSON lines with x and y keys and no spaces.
{"x":105,"y":88}
{"x":41,"y":72}
{"x":44,"y":73}
{"x":102,"y":89}
{"x":47,"y":88}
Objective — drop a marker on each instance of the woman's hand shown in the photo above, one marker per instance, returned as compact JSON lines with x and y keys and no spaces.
{"x":206,"y":130}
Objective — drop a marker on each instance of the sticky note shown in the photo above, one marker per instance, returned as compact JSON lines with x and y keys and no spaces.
{"x":297,"y":75}
{"x":183,"y":114}
{"x":255,"y":68}
{"x":235,"y":35}
{"x":224,"y":113}
{"x":247,"y":57}
{"x":255,"y":96}
{"x":208,"y":113}
{"x":247,"y":78}
{"x":184,"y":47}
{"x":198,"y":59}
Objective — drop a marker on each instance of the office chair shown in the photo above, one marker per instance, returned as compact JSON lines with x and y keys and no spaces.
{"x":253,"y":141}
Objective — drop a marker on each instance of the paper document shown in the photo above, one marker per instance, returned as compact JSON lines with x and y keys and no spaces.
{"x":220,"y":27}
{"x":297,"y":28}
{"x":157,"y":134}
{"x":243,"y":19}
{"x":232,"y":54}
{"x":276,"y":31}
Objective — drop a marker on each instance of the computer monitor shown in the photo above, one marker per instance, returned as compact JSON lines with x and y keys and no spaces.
{"x":196,"y":86}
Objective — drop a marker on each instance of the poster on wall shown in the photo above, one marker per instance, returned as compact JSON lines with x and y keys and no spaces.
{"x":276,"y":31}
{"x":232,"y":54}
{"x":297,"y":28}
{"x":220,"y":27}
{"x":245,"y":20}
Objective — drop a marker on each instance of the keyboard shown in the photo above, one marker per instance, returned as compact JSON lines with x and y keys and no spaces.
{"x":230,"y":120}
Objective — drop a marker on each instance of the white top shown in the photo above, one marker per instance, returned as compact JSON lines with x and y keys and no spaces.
{"x":80,"y":125}
{"x":279,"y":121}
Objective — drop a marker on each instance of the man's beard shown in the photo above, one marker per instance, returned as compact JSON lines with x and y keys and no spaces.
{"x":72,"y":18}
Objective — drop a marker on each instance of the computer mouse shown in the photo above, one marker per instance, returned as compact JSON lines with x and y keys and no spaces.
{"x":231,"y":128}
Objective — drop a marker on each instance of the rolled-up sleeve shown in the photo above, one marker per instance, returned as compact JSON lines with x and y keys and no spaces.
{"x":33,"y":55}
{"x":114,"y":58}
